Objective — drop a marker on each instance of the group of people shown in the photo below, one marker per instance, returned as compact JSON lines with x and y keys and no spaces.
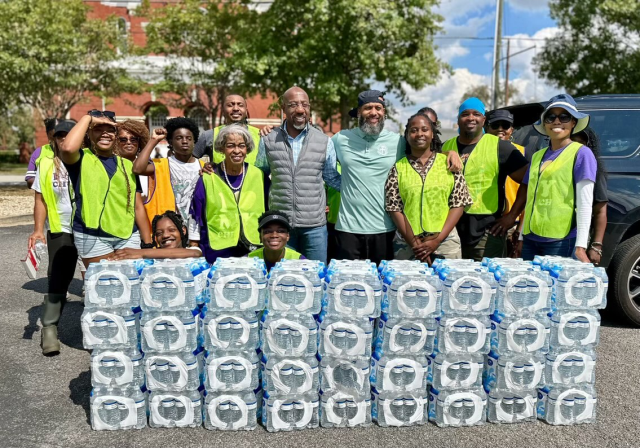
{"x":293,"y":192}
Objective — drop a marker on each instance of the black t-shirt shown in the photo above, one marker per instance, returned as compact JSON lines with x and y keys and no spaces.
{"x":472,"y":227}
{"x":600,"y":189}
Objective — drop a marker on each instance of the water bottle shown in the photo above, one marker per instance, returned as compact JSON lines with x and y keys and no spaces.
{"x":239,"y":373}
{"x":164,"y":374}
{"x":193,"y":374}
{"x":160,"y":335}
{"x":286,"y":376}
{"x":41,"y":250}
{"x":225,"y":374}
{"x":397,"y":376}
{"x":111,"y":413}
{"x":168,"y":409}
{"x":140,"y":402}
{"x":397,"y":409}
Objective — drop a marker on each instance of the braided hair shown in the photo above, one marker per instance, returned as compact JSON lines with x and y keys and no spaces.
{"x":436,"y":143}
{"x":176,"y":219}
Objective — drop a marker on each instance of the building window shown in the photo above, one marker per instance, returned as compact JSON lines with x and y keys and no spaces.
{"x":122,"y":27}
{"x":199,"y":115}
{"x":156,"y":116}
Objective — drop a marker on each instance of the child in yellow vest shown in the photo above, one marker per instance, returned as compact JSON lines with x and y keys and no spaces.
{"x":274,"y":234}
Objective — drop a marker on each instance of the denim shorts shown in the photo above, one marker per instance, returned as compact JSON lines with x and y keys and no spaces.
{"x":90,"y":246}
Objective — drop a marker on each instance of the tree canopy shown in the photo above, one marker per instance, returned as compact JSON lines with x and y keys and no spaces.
{"x":597,"y":49}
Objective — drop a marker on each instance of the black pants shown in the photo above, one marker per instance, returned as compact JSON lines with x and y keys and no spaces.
{"x":332,"y":243}
{"x":63,"y":257}
{"x":375,"y":247}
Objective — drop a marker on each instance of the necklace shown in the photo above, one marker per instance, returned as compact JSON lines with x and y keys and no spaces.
{"x":226,"y":178}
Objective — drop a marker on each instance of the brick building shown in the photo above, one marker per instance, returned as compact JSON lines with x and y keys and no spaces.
{"x":154,"y":110}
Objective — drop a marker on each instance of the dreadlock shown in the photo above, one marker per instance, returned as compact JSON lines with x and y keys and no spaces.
{"x":174,"y":124}
{"x":436,"y":143}
{"x":176,"y":219}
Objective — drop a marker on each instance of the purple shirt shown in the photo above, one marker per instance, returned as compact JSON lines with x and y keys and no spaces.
{"x":32,"y":168}
{"x":584,"y":168}
{"x":199,"y":213}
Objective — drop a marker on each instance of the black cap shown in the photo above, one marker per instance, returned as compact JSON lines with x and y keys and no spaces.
{"x":64,"y":126}
{"x":499,"y":115}
{"x":368,"y":96}
{"x":269,"y":218}
{"x":50,"y":124}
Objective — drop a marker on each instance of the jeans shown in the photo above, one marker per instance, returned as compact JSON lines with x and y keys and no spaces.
{"x":310,"y":242}
{"x":562,"y":248}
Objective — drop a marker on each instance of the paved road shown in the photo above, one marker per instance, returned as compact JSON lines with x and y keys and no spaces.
{"x":44,"y":402}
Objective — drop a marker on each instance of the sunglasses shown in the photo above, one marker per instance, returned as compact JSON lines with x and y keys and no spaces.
{"x":103,"y":113}
{"x":563,"y":117}
{"x":128,"y":139}
{"x":500,"y":124}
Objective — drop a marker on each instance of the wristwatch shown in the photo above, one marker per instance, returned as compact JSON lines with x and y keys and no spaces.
{"x":144,"y":245}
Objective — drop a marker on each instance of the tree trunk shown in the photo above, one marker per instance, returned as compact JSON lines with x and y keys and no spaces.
{"x":345,"y":107}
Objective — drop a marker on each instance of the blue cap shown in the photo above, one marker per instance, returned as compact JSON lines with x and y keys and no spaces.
{"x":472,"y":103}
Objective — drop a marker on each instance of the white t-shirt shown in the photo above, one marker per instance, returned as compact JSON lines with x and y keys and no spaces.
{"x":184,"y":177}
{"x":61,"y":191}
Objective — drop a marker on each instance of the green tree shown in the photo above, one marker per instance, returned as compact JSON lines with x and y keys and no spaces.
{"x":52,"y":55}
{"x":16,"y":126}
{"x":204,"y":47}
{"x":597,"y":48}
{"x":336,"y":48}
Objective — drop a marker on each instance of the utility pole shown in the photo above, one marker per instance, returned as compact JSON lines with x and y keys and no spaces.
{"x":506,"y":77}
{"x":497,"y":46}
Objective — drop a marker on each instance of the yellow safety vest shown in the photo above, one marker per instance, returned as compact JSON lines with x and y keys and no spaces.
{"x":251,"y":157}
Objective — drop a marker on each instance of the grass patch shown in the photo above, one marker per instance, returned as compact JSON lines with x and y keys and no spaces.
{"x":13,"y":168}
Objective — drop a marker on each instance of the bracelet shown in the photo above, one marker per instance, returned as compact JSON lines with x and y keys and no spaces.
{"x":596,"y":250}
{"x":144,"y":245}
{"x":596,"y":243}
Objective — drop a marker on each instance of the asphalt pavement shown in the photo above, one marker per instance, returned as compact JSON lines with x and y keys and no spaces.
{"x":44,"y":402}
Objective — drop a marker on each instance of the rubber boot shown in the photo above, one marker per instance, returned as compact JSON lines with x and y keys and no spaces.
{"x":51,"y":310}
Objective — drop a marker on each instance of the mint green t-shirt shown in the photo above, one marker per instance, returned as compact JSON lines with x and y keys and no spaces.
{"x":365,"y":161}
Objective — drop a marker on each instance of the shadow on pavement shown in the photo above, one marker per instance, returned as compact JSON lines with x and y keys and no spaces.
{"x":33,"y":314}
{"x":38,"y":285}
{"x":69,"y":328}
{"x":80,"y":389}
{"x":613,"y":317}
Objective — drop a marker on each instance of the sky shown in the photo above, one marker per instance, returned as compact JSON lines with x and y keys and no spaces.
{"x":526,"y":22}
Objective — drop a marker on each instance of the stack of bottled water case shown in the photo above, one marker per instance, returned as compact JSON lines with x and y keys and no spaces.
{"x":110,"y":327}
{"x":568,"y":396}
{"x":352,"y":300}
{"x":237,"y":290}
{"x":290,"y":371}
{"x":169,"y":339}
{"x":404,"y":338}
{"x":456,"y":396}
{"x":519,"y":340}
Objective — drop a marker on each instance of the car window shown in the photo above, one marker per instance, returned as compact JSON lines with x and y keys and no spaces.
{"x":618,"y":130}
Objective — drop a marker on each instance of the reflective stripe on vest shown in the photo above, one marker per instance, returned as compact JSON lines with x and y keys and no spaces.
{"x":289,"y":254}
{"x":333,"y":200}
{"x":426,"y":204}
{"x":481,"y":173}
{"x":224,"y":215}
{"x":251,"y":157}
{"x":46,"y":167}
{"x":550,"y":208}
{"x":104,"y":200}
{"x":46,"y":152}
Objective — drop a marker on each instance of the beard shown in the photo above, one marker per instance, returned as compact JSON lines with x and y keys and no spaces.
{"x":300,"y":127}
{"x":371,"y":129}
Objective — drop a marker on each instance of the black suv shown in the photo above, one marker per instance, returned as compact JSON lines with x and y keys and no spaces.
{"x":616,"y":120}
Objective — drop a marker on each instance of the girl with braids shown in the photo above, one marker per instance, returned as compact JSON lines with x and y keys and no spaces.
{"x":169,"y":236}
{"x":53,"y":209}
{"x":425,"y":199}
{"x":104,"y":189}
{"x":171,"y":180}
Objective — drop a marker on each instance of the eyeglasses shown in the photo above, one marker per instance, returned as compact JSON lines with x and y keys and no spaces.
{"x":500,"y":124}
{"x":563,"y":117}
{"x":124,"y":140}
{"x":103,"y":113}
{"x":295,"y":105}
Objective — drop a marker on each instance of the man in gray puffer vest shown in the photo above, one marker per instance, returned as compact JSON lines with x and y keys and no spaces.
{"x":299,"y":157}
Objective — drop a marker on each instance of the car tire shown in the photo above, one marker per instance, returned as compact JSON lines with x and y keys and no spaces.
{"x":626,"y":262}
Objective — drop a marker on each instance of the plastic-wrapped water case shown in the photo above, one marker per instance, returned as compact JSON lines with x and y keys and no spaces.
{"x":342,"y":410}
{"x":168,"y":287}
{"x":399,"y":408}
{"x":345,"y":338}
{"x":523,"y":291}
{"x":468,"y":292}
{"x":572,"y":366}
{"x":463,"y":334}
{"x":169,"y":331}
{"x":114,"y":329}
{"x":237,"y":285}
{"x":515,"y":371}
{"x":580,"y":286}
{"x":457,"y":371}
{"x":290,"y":413}
{"x":520,"y":334}
{"x":289,"y":334}
{"x":231,"y":411}
{"x":230,"y":330}
{"x":575,"y":329}
{"x":284,"y":376}
{"x":458,"y":408}
{"x":398,"y":335}
{"x":344,"y":375}
{"x":398,"y":373}
{"x":570,"y":405}
{"x":111,"y":368}
{"x":175,"y":409}
{"x":115,"y":408}
{"x":231,"y":371}
{"x":412,"y":295}
{"x":353,"y":293}
{"x":295,"y":288}
{"x":110,"y":285}
{"x":507,"y":406}
{"x":175,"y":372}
